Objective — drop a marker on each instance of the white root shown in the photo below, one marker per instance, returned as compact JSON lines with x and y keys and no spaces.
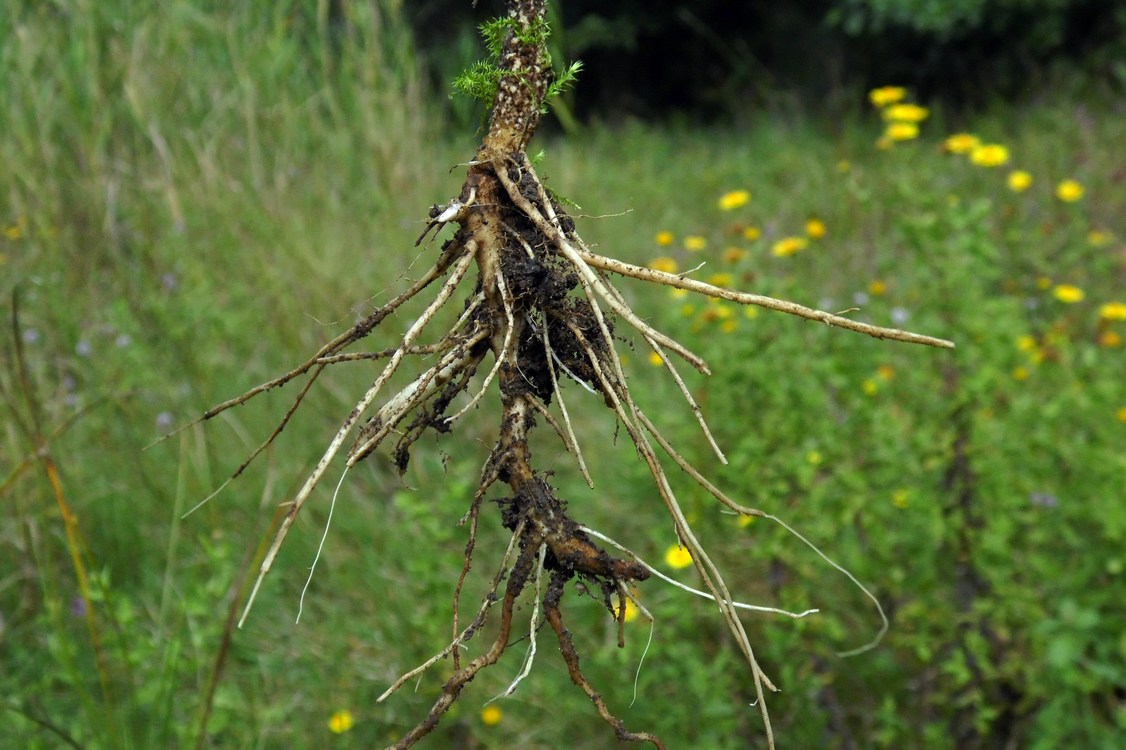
{"x":770,"y":303}
{"x":696,"y":592}
{"x":459,"y":271}
{"x":486,"y":603}
{"x":506,"y":298}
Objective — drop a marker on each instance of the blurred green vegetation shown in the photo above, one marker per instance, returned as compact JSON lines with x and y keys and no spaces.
{"x":196,"y":195}
{"x":709,"y":60}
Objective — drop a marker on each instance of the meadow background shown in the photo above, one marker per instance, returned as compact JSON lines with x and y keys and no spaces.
{"x":194,"y":196}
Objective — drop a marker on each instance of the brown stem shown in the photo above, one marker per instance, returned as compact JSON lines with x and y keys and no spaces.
{"x":571,"y":659}
{"x":517,"y":579}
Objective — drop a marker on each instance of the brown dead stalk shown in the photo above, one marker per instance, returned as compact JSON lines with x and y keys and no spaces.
{"x":542,"y":309}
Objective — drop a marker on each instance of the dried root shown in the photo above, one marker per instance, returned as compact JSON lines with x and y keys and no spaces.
{"x":523,"y":314}
{"x":544,"y":309}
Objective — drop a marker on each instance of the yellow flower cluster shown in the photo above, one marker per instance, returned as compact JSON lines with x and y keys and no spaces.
{"x":1019,"y":181}
{"x":734,"y":199}
{"x":886,"y":95}
{"x":961,"y":143}
{"x":788,"y":246}
{"x":815,"y":228}
{"x":1108,"y":312}
{"x":989,"y":155}
{"x":632,"y":610}
{"x":695,"y":243}
{"x":341,"y":721}
{"x":906,"y":113}
{"x":902,"y":117}
{"x":678,"y":557}
{"x":1099,"y":238}
{"x":901,"y":131}
{"x":1069,"y":191}
{"x":1113,"y":311}
{"x":985,"y":155}
{"x":1068,"y":293}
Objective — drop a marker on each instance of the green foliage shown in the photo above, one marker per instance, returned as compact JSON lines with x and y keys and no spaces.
{"x":564,"y":79}
{"x":945,"y":19}
{"x":969,"y":488}
{"x":481,"y":80}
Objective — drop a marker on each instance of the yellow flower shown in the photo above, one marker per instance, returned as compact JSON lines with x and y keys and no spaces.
{"x":869,"y":387}
{"x":877,"y":288}
{"x":884,"y":143}
{"x":886,"y":95}
{"x":1026,"y":343}
{"x":655,"y":359}
{"x":961,"y":143}
{"x":788,"y":246}
{"x":813,"y":457}
{"x":1069,"y":191}
{"x":1068,"y":293}
{"x":1113,"y":311}
{"x":1043,"y":282}
{"x":734,"y":199}
{"x":695,"y":243}
{"x":1110,"y":339}
{"x":885,"y":372}
{"x":722,"y":310}
{"x":899,"y":498}
{"x":989,"y":155}
{"x":911,"y":113}
{"x":1020,"y":373}
{"x":844,"y":166}
{"x":1121,"y":414}
{"x":902,"y":131}
{"x":632,"y":610}
{"x":720,"y":279}
{"x":664,"y":239}
{"x":752,"y":233}
{"x":729,"y":326}
{"x":678,"y":557}
{"x":668,"y":265}
{"x":745,"y":520}
{"x":1019,"y":181}
{"x":815,"y":228}
{"x":491,"y":716}
{"x":341,"y":721}
{"x":678,"y":293}
{"x":733,"y":255}
{"x":1099,"y":238}
{"x":688,"y":310}
{"x":750,"y":312}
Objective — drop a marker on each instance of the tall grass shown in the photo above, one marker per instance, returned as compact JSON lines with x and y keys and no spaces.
{"x":196,"y":194}
{"x":187,"y":190}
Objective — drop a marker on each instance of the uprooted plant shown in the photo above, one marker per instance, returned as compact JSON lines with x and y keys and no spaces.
{"x":543,"y":309}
